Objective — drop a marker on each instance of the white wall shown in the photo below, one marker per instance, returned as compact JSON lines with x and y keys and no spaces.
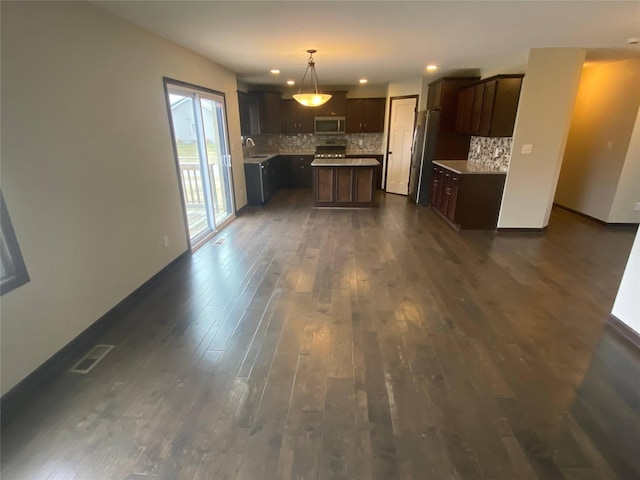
{"x":598,"y":144}
{"x":628,"y":190}
{"x":544,"y":115}
{"x":88,"y":172}
{"x":626,"y":308}
{"x":511,"y":64}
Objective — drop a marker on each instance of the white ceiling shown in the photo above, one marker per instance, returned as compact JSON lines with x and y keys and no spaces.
{"x":383,"y":41}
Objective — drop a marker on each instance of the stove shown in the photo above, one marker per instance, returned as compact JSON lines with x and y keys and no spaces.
{"x":331,"y":148}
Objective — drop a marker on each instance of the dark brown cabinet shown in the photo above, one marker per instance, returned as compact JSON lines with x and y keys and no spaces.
{"x":446,"y":143}
{"x":296,"y":118}
{"x":249,"y":122}
{"x":269,"y":111}
{"x":335,"y":107}
{"x":467,"y":201}
{"x":343,"y":186}
{"x":295,"y":171}
{"x":259,"y":178}
{"x":488,"y":108}
{"x":365,"y":115}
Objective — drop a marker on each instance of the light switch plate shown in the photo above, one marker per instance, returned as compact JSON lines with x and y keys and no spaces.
{"x":637,"y":206}
{"x":527,"y":148}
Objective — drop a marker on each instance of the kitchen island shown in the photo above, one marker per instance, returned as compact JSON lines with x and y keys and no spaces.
{"x":344,"y":182}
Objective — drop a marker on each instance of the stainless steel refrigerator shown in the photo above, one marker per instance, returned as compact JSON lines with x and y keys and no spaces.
{"x":422,"y":153}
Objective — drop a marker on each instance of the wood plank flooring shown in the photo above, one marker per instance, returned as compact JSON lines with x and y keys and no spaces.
{"x":343,"y":344}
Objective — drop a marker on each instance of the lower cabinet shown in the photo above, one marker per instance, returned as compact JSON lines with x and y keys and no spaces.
{"x":259,"y":179}
{"x":295,"y":171}
{"x":467,"y":201}
{"x":343,"y":186}
{"x":283,"y":171}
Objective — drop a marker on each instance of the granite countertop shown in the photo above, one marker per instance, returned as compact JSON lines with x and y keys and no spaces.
{"x":345,"y":162}
{"x":464,"y":167}
{"x":261,"y":157}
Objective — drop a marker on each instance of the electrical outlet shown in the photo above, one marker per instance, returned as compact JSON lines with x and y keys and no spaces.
{"x":637,"y":206}
{"x":165,"y":241}
{"x":360,"y":142}
{"x":526,"y":148}
{"x":609,"y":145}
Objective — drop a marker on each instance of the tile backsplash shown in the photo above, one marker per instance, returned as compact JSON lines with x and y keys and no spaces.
{"x":364,"y":143}
{"x":493,"y":152}
{"x":305,"y":143}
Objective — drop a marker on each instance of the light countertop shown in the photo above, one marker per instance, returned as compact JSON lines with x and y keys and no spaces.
{"x":464,"y":167}
{"x":345,"y":162}
{"x":259,"y":157}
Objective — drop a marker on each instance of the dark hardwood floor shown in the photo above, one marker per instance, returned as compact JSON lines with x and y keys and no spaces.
{"x":350,"y":344}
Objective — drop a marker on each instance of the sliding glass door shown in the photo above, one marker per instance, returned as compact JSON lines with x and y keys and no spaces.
{"x":198,"y":121}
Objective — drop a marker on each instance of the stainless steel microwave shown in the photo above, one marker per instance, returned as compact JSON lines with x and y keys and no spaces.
{"x":329,"y":125}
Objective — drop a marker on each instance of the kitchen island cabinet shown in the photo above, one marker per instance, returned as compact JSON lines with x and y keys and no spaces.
{"x":344,"y":182}
{"x":468,"y":196}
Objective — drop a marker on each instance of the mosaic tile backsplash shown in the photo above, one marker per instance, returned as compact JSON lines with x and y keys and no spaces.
{"x":492,"y":152}
{"x":305,"y":143}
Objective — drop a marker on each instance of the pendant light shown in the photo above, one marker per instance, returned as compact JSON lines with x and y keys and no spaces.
{"x":315,"y":98}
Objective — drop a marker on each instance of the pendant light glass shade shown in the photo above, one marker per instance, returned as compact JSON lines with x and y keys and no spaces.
{"x":315,"y":98}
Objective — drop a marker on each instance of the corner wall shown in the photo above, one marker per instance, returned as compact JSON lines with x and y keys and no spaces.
{"x":627,"y":303}
{"x":598,"y":145}
{"x":623,"y":208}
{"x":88,"y":172}
{"x":544,"y":115}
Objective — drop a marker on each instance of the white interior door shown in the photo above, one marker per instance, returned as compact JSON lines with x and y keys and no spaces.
{"x":401,"y":124}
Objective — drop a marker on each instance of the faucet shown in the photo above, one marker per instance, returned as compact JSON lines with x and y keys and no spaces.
{"x":249,"y":146}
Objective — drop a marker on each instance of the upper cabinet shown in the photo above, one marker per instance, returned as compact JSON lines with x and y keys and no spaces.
{"x":443,"y":93}
{"x":365,"y":115}
{"x":269,"y":111}
{"x":443,"y":97}
{"x":335,"y":107}
{"x":296,"y":118}
{"x":249,"y":122}
{"x":488,"y":108}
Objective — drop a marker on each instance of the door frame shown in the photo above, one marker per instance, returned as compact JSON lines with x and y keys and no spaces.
{"x":167,"y":82}
{"x":386,"y":152}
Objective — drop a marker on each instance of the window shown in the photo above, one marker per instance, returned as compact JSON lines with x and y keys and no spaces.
{"x":13,"y":270}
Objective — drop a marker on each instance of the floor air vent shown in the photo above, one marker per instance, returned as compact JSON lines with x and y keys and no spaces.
{"x":91,"y":359}
{"x":220,"y":241}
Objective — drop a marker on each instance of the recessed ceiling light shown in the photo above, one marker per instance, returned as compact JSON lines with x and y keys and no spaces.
{"x":290,"y":82}
{"x":432,"y":67}
{"x":363,"y":80}
{"x":275,"y":71}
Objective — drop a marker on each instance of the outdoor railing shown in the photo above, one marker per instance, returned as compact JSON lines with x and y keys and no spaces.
{"x":192,"y":184}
